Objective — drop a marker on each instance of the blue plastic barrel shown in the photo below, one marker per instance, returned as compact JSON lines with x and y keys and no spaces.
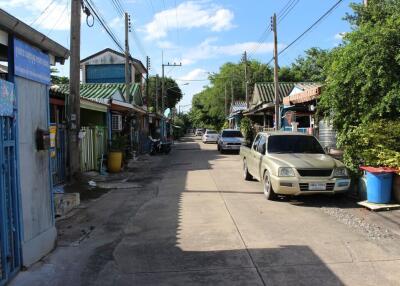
{"x":379,"y":187}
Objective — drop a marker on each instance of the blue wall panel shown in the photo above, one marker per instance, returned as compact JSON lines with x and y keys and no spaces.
{"x":105,"y":73}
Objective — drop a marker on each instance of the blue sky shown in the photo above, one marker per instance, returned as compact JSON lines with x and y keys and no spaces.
{"x":202,"y":34}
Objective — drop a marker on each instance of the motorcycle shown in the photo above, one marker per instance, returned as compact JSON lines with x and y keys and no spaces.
{"x":159,"y":147}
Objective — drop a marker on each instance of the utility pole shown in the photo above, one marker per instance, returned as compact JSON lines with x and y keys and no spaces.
{"x":147,"y":81}
{"x":73,"y":101}
{"x":277,"y":101}
{"x":127,"y":56}
{"x":246,"y":78}
{"x":157,"y":90}
{"x":365,"y":3}
{"x":226,"y":101}
{"x":163,"y":83}
{"x":232,"y":96}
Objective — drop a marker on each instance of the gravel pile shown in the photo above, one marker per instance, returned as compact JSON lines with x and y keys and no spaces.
{"x":372,"y":231}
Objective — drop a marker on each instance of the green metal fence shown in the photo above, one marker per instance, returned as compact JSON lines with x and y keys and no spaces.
{"x":93,"y":147}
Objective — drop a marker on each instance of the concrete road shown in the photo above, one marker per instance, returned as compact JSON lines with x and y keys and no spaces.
{"x":205,"y":225}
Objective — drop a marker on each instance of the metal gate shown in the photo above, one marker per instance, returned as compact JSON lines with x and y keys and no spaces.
{"x":10,"y":258}
{"x":93,"y":147}
{"x":58,"y":159}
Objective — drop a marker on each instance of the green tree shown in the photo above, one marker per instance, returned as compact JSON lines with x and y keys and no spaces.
{"x":173,"y":92}
{"x":55,"y":79}
{"x":312,"y":66}
{"x":363,"y":77}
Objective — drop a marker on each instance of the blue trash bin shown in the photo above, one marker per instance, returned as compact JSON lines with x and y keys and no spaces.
{"x":379,"y":187}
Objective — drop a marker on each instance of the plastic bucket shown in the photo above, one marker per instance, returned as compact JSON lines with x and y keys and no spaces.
{"x":379,"y":187}
{"x":114,"y":162}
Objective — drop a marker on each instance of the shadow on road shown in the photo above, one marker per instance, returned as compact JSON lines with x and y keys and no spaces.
{"x":179,"y":238}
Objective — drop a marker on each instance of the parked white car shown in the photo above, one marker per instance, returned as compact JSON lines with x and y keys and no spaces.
{"x":210,"y":136}
{"x":199,"y":132}
{"x":230,"y":139}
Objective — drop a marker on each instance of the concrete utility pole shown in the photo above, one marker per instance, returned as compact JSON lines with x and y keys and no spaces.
{"x":163,"y":83}
{"x":156,"y":101}
{"x":226,"y":101}
{"x":73,"y":101}
{"x":232,"y":96}
{"x":277,"y":101}
{"x":246,"y":78}
{"x":147,"y":81}
{"x":127,"y":56}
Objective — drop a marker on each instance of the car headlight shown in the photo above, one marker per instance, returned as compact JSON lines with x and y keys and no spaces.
{"x":340,"y":172}
{"x":286,"y":172}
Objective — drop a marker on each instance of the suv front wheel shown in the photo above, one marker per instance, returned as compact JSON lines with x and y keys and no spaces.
{"x":267,"y":186}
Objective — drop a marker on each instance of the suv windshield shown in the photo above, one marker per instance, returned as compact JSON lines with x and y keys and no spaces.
{"x":211,"y":132}
{"x":294,"y":144}
{"x":231,"y":134}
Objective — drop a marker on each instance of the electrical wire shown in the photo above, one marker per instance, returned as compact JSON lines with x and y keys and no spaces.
{"x":93,"y":9}
{"x":117,"y":8}
{"x":282,"y":14}
{"x":310,"y":28}
{"x":42,"y":13}
{"x":59,"y":18}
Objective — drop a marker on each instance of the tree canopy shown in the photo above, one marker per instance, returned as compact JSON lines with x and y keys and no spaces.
{"x":208,"y":108}
{"x":363,"y":77}
{"x":173,"y":94}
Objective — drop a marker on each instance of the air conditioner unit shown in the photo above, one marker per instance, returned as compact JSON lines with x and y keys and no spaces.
{"x":116,"y":122}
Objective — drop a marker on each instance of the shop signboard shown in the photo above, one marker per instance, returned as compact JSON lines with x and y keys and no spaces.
{"x":31,"y":63}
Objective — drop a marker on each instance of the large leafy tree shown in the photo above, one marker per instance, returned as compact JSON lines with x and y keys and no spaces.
{"x":363,"y":79}
{"x":173,"y":94}
{"x":312,"y":66}
{"x":208,"y":106}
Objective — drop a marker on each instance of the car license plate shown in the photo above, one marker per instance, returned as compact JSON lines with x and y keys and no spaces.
{"x":317,"y":186}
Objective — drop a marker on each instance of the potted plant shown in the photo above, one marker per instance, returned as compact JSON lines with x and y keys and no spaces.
{"x":115,"y":155}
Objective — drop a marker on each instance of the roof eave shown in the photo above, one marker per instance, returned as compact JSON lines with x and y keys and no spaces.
{"x":26,"y":33}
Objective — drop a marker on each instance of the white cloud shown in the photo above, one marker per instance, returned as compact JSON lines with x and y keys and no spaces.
{"x":195,"y":74}
{"x":189,"y":15}
{"x":339,"y":36}
{"x":207,"y":50}
{"x":117,"y":22}
{"x":167,"y":45}
{"x":56,"y":17}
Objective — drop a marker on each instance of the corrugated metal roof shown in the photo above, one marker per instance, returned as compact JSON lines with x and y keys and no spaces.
{"x":238,"y":106}
{"x":265,"y":92}
{"x":97,"y":91}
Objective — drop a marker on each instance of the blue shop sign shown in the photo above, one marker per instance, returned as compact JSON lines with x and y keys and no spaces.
{"x":31,"y":63}
{"x":7,"y":98}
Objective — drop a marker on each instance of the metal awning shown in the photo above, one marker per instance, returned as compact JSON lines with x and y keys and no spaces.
{"x":92,"y":105}
{"x":303,"y":97}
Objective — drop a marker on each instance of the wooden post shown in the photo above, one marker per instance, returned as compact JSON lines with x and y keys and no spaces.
{"x":276,"y":81}
{"x":73,"y":100}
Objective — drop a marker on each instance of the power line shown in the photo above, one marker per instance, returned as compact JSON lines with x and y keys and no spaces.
{"x":286,"y":9}
{"x":93,"y":9}
{"x":59,"y":18}
{"x":310,"y":28}
{"x":290,"y":7}
{"x":117,"y":8}
{"x":44,"y":11}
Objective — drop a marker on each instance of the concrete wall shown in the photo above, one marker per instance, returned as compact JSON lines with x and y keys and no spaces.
{"x":39,"y":233}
